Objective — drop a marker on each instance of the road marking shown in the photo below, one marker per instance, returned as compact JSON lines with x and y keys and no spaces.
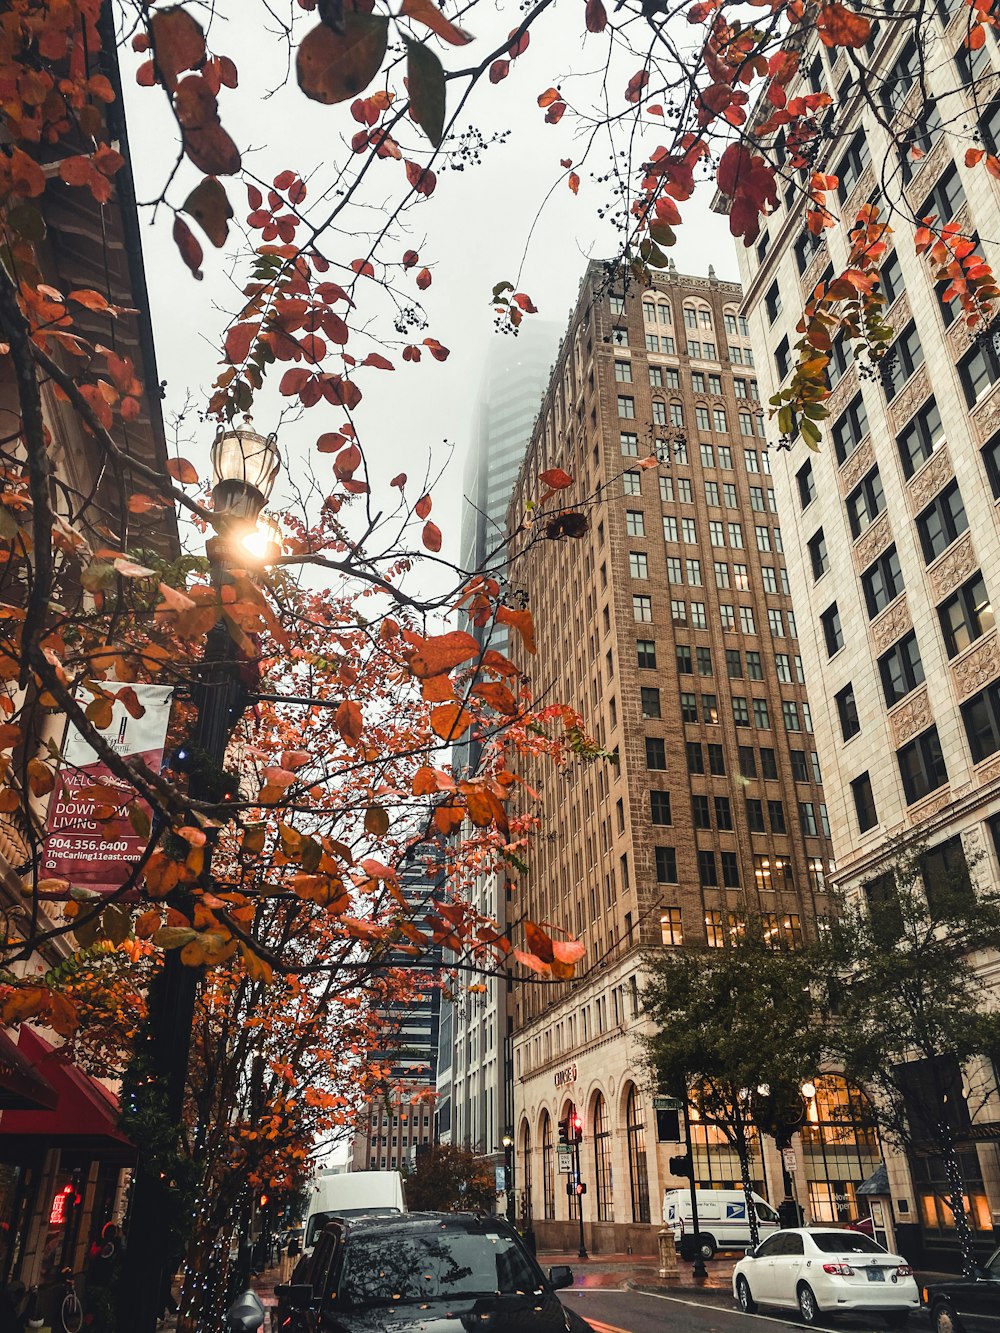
{"x":602,"y":1327}
{"x":697,"y":1305}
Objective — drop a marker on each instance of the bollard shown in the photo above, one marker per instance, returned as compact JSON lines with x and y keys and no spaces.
{"x":668,"y":1254}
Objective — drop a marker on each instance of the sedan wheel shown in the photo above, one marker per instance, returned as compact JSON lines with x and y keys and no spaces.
{"x":945,"y":1320}
{"x":745,"y":1297}
{"x":808,"y":1308}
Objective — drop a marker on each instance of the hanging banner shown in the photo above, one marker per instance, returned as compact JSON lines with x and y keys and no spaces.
{"x":83,"y":844}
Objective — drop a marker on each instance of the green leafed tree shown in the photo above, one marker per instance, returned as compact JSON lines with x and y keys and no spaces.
{"x":451,"y":1179}
{"x":913,"y":1018}
{"x":738,"y":1030}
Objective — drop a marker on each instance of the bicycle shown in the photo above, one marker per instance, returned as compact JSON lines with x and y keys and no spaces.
{"x":70,"y":1311}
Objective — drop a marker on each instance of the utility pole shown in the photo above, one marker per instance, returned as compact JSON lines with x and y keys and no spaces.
{"x":698,"y":1269}
{"x":576,"y":1125}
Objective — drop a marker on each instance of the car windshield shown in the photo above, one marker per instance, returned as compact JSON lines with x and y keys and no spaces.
{"x":394,"y":1268}
{"x":845,"y":1242}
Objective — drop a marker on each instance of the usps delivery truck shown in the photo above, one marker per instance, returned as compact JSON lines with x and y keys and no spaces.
{"x":723,"y":1223}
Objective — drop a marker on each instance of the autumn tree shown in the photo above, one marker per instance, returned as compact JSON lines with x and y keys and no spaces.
{"x":451,"y":1179}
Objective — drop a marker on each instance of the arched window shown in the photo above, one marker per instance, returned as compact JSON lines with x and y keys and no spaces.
{"x":648,"y":310}
{"x":690,"y":317}
{"x":548,"y":1170}
{"x":602,"y":1159}
{"x":525,"y":1208}
{"x":635,"y":1128}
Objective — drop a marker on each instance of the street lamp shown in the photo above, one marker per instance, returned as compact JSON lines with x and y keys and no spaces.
{"x":808,"y":1090}
{"x":244,"y":468}
{"x":508,"y":1174}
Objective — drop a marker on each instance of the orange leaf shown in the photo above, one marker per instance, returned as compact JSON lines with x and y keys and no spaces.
{"x":522,"y":622}
{"x":431,"y":536}
{"x":555,"y":478}
{"x":573,"y":182}
{"x":538,"y":941}
{"x":423,"y":506}
{"x":183,"y":471}
{"x":178,"y":41}
{"x":441,"y":652}
{"x":450,"y":721}
{"x":839,"y":26}
{"x":427,"y":13}
{"x":350,"y":721}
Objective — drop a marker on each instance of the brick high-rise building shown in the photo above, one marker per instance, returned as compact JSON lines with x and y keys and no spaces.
{"x":894,"y":521}
{"x":670,"y":627}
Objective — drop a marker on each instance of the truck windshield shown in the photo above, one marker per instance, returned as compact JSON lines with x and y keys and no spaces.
{"x":395,"y":1268}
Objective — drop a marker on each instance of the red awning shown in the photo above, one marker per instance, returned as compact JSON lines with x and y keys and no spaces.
{"x":21,"y":1087}
{"x":85,"y":1114}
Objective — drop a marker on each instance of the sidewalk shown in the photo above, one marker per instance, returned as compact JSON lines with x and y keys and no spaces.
{"x":640,"y":1270}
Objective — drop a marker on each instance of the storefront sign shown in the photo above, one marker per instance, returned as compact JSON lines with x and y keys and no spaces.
{"x":564,"y":1076}
{"x":91,"y":842}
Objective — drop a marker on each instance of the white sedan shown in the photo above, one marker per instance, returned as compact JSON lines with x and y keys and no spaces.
{"x":820,"y":1270}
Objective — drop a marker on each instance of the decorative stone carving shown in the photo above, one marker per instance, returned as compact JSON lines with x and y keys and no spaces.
{"x":926,"y":483}
{"x":891,"y":624}
{"x":977,"y":665}
{"x":988,"y":772}
{"x":926,"y":171}
{"x":898,"y":314}
{"x":814,"y":268}
{"x":842,"y":394}
{"x":860,"y":193}
{"x":912,"y":396}
{"x":910,"y":717}
{"x":856,"y":466}
{"x":963,"y":219}
{"x":932,"y":806}
{"x":961,"y":337}
{"x":875,"y":539}
{"x":986,"y":414}
{"x":951,"y":568}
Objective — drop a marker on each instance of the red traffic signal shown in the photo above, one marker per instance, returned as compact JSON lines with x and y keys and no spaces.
{"x":576,"y":1127}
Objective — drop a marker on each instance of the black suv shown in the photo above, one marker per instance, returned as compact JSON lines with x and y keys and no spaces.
{"x":453,"y":1272}
{"x":966,"y":1304}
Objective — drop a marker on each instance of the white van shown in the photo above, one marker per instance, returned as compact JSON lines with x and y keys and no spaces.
{"x":350,"y":1194}
{"x":722,"y":1219}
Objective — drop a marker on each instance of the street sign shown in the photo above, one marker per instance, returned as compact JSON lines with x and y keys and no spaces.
{"x":667,"y":1104}
{"x":564,"y":1156}
{"x":788,"y":1157}
{"x":501,"y":1179}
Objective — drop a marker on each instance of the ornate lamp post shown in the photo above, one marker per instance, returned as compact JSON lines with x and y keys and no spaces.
{"x":245,"y":465}
{"x":508,"y":1175}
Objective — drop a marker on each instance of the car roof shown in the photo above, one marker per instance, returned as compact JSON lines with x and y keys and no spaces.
{"x":405,"y":1224}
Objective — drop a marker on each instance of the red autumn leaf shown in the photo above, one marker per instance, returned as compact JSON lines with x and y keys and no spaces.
{"x":183,"y":471}
{"x":421,"y":179}
{"x":293,"y":381}
{"x":555,"y":478}
{"x":423,"y":506}
{"x":449,"y":721}
{"x":363,"y":268}
{"x":178,"y":41}
{"x":839,"y":26}
{"x":399,"y":480}
{"x":441,"y":652}
{"x":239,"y":340}
{"x":573,"y":182}
{"x":499,"y":70}
{"x":410,"y":258}
{"x":976,"y":37}
{"x":538,"y":941}
{"x":378,"y":362}
{"x":555,"y":113}
{"x":518,"y":44}
{"x":636,"y":84}
{"x":189,"y":246}
{"x":424,"y":279}
{"x":522,"y":622}
{"x":437,"y":351}
{"x":525,"y":302}
{"x":548,"y":97}
{"x":350,"y":721}
{"x":973,"y":156}
{"x":596,"y":16}
{"x":426,"y":12}
{"x":431,"y":536}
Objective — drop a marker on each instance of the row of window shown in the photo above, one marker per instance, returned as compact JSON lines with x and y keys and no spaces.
{"x":669,"y":377}
{"x":680,"y":489}
{"x":781,"y":623}
{"x":705,"y":420}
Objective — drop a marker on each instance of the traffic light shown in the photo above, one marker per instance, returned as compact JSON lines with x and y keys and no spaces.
{"x":564,"y":1132}
{"x":264,"y":1200}
{"x":681,"y":1166}
{"x":576,"y":1127}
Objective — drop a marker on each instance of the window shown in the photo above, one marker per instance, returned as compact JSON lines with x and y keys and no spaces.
{"x":669,"y":528}
{"x":757,"y":497}
{"x":755,"y":815}
{"x":617,"y":303}
{"x":763,"y":533}
{"x":709,"y":350}
{"x":891,"y":278}
{"x":981,"y":715}
{"x":852,"y":164}
{"x":672,"y":376}
{"x":635,"y":524}
{"x":695,"y":757}
{"x":847,"y":711}
{"x":966,"y":615}
{"x":921,"y":765}
{"x":710,"y":710}
{"x":638,"y":565}
{"x":707,"y":875}
{"x":690,"y":317}
{"x":942,"y":522}
{"x":689,"y":533}
{"x":945,"y":872}
{"x":723,"y":813}
{"x":682,"y":652}
{"x":748,"y":423}
{"x":656,"y":753}
{"x":770,"y":580}
{"x":741,"y":713}
{"x":707,"y":455}
{"x":849,"y":429}
{"x":747,"y":625}
{"x":805,"y":247}
{"x":729,"y":493}
{"x":782,"y":361}
{"x":626,"y":406}
{"x":693,"y":567}
{"x":650,"y":700}
{"x":717,"y":761}
{"x":775,"y":623}
{"x":719,"y":417}
{"x":700,"y":813}
{"x":901,"y":669}
{"x":632,"y":485}
{"x":712,"y":494}
{"x":656,"y":376}
{"x":727,"y":618}
{"x":754,"y":669}
{"x":652,"y":343}
{"x":748,"y":761}
{"x":736,"y":536}
{"x":623,"y":372}
{"x":882,"y":582}
{"x":629,"y":443}
{"x":776,"y":816}
{"x":678,"y":611}
{"x":698,"y":381}
{"x":666,"y":873}
{"x":783,"y":665}
{"x":659,"y":412}
{"x":806,"y":482}
{"x":663,"y":309}
{"x":674,"y":570}
{"x":689,"y":708}
{"x":676,"y":414}
{"x":901,"y":360}
{"x":645,"y":653}
{"x":991,"y":461}
{"x":865,"y":502}
{"x":946,"y":198}
{"x":761,"y":716}
{"x":730,"y":870}
{"x":864,"y":803}
{"x":642,"y":607}
{"x":726,"y":457}
{"x":659,"y":807}
{"x":721,"y":574}
{"x":734,"y":664}
{"x":649,"y":312}
{"x":790,"y":712}
{"x":833,"y":633}
{"x":701,"y":418}
{"x":772,"y":301}
{"x":978,"y":369}
{"x":818,"y":555}
{"x":704,"y":659}
{"x":684,"y":492}
{"x":800,"y":771}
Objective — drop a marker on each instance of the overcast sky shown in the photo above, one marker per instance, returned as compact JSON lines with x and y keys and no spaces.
{"x":473,"y":232}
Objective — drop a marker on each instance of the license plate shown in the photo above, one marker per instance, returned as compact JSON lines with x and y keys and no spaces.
{"x":875,"y":1275}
